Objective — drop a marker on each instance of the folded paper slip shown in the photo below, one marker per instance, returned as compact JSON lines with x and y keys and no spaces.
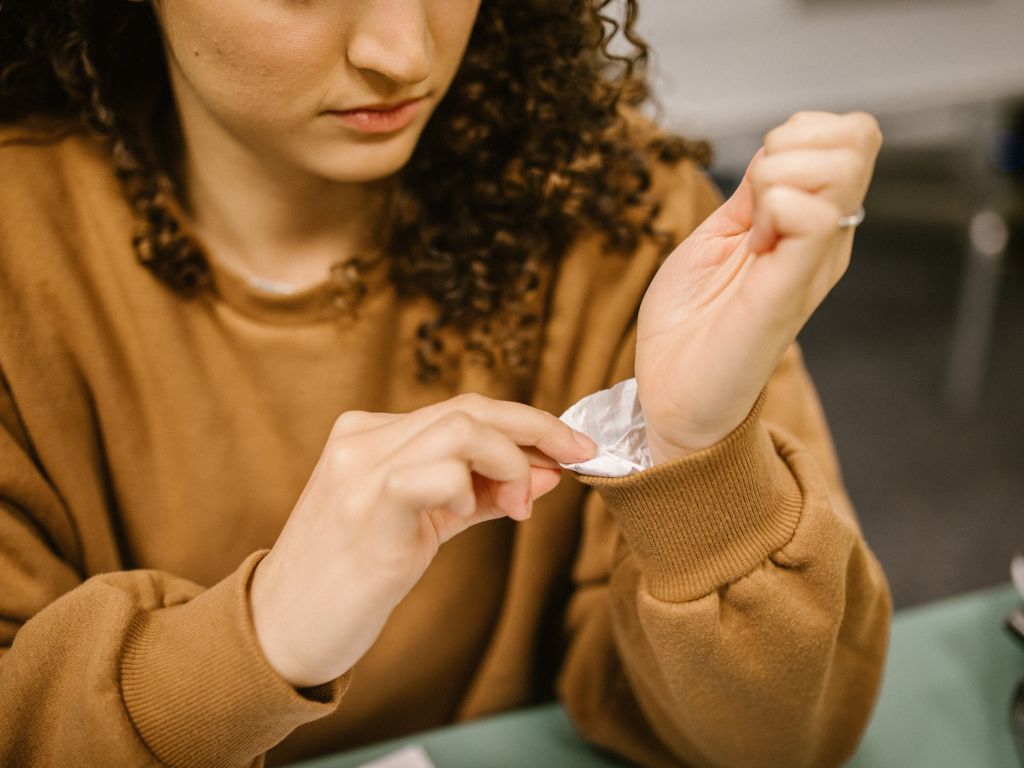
{"x":611,"y":418}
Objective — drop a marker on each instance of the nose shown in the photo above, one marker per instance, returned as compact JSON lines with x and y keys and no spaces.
{"x":393,"y":39}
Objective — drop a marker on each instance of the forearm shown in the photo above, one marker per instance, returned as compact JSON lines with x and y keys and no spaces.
{"x":140,"y":668}
{"x":778,"y":668}
{"x":750,"y":617}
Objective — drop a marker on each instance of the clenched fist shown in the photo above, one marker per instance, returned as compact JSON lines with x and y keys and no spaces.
{"x":730,"y":299}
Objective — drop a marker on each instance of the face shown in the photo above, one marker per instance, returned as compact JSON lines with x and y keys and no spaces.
{"x":280,"y":78}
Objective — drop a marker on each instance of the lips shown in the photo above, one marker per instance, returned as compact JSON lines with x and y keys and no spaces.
{"x":380,"y":118}
{"x":379,"y":107}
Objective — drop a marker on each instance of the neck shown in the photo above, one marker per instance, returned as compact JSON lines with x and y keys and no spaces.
{"x":270,"y":220}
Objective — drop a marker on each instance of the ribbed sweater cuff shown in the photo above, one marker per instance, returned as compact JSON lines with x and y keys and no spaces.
{"x":707,"y":519}
{"x":199,"y":689}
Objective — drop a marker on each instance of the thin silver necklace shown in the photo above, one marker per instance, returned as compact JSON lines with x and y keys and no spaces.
{"x":271,"y":286}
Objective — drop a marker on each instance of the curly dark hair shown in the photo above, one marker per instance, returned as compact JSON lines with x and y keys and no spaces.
{"x":531,"y":145}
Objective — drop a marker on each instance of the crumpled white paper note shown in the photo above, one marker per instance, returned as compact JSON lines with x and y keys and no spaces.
{"x":611,"y":418}
{"x":413,"y":756}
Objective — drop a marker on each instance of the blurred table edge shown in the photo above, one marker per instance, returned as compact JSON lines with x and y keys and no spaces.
{"x":945,"y":701}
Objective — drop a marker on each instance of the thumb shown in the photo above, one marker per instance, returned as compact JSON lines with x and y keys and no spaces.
{"x":736,"y":215}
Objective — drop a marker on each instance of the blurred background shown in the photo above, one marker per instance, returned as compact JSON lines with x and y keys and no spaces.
{"x":919,"y":352}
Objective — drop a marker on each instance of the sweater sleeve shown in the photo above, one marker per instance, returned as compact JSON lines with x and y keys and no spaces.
{"x":727,"y":610}
{"x":123,"y":668}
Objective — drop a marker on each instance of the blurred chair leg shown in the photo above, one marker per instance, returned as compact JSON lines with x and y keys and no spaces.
{"x":972,"y":334}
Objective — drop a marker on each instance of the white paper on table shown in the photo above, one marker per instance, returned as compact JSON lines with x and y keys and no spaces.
{"x":611,"y":418}
{"x":413,"y":756}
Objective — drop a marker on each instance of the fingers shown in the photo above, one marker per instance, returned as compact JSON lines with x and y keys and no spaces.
{"x":820,"y":155}
{"x":442,"y":483}
{"x":523,"y":424}
{"x":544,"y":479}
{"x":838,"y":175}
{"x":736,"y":214}
{"x":824,"y":130}
{"x":506,"y":454}
{"x":789,"y":212}
{"x":446,"y":493}
{"x":538,"y":458}
{"x":355,"y":422}
{"x":481,"y":449}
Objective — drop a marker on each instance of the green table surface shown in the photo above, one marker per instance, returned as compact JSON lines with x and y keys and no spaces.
{"x":945,"y":702}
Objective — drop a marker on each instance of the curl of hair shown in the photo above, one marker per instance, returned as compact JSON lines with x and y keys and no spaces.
{"x":530,"y":146}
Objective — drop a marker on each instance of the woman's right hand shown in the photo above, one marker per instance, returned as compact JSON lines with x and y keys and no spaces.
{"x":387,"y":491}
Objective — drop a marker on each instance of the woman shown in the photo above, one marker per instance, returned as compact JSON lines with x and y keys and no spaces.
{"x":290,"y":292}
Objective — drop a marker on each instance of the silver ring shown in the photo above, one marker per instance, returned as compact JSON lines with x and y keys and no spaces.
{"x":849,"y":222}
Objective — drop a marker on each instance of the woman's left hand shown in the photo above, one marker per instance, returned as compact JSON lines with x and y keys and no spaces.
{"x":731,"y":298}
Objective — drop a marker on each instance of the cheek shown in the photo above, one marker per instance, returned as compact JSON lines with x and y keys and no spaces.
{"x":245,"y":63}
{"x":451,"y":23}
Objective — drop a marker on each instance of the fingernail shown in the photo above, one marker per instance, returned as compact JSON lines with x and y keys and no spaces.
{"x":589,"y":446}
{"x":523,"y":509}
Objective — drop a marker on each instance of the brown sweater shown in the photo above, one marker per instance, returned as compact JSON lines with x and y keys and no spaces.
{"x":722,"y":609}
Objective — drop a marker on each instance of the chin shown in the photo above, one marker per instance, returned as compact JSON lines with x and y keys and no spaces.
{"x":361,"y":162}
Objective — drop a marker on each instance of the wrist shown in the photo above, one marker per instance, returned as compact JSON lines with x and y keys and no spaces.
{"x":272,"y":643}
{"x":662,"y":452}
{"x":677,"y":447}
{"x":665,"y":450}
{"x":310,"y":628}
